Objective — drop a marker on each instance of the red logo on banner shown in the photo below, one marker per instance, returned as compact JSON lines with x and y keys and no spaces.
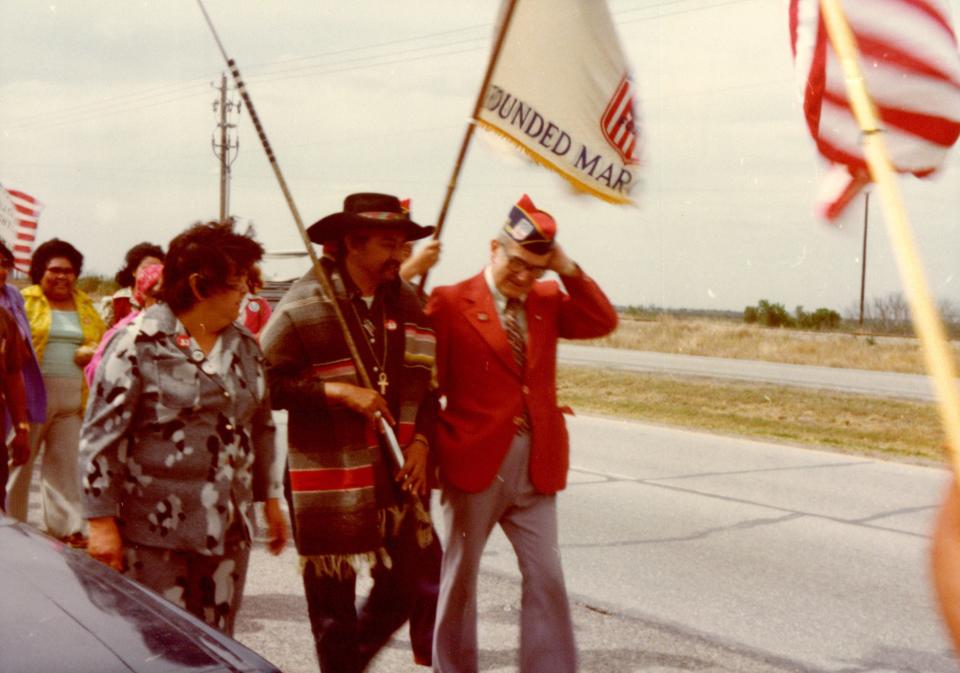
{"x":619,"y":124}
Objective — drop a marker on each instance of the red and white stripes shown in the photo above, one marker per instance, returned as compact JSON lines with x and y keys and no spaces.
{"x":620,"y":123}
{"x":908,"y":54}
{"x":19,"y":215}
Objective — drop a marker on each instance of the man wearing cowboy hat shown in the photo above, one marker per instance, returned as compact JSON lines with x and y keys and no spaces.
{"x":501,"y":440}
{"x":347,"y":507}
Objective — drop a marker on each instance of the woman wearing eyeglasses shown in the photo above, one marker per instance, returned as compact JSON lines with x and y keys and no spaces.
{"x":65,"y":329}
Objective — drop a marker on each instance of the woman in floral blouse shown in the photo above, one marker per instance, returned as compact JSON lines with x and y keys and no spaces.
{"x":178,"y":439}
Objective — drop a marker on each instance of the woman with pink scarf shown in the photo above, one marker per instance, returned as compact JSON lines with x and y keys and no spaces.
{"x":145,"y":291}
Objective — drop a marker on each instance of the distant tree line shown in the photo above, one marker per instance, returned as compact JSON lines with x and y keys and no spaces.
{"x":652,"y":312}
{"x":97,"y":286}
{"x":775,"y":315}
{"x":890,"y":314}
{"x":887,"y":314}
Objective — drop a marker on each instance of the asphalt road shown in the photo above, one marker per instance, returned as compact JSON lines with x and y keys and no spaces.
{"x":687,"y":551}
{"x":882,"y":384}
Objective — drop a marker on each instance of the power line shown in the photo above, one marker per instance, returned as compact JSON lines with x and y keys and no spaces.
{"x":110,"y":104}
{"x":68,"y":119}
{"x":692,"y":10}
{"x":272,"y":76}
{"x":331,"y":71}
{"x":368,"y":46}
{"x":276,"y":71}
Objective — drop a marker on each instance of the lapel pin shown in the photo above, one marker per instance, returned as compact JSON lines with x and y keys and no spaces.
{"x":482,"y":317}
{"x":391,"y":324}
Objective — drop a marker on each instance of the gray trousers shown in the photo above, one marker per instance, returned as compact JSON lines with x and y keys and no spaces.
{"x":529,"y":519}
{"x":59,"y":439}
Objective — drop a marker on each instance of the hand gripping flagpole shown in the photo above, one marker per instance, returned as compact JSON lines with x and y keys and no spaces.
{"x":933,"y":339}
{"x":452,"y":184}
{"x":318,"y":269}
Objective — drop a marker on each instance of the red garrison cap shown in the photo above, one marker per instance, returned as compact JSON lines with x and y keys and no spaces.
{"x":532,"y":228}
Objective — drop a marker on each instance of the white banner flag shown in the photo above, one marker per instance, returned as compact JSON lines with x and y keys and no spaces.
{"x":19,"y":216}
{"x":563,"y":92}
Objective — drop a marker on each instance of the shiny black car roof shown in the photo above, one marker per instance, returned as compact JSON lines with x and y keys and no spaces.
{"x":63,"y":612}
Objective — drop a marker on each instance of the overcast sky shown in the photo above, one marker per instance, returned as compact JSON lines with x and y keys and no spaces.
{"x":106,"y":116}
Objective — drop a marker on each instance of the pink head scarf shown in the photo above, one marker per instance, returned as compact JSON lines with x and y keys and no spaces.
{"x":146,"y":280}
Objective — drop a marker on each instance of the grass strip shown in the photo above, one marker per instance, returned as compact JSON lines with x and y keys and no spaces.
{"x":882,"y":428}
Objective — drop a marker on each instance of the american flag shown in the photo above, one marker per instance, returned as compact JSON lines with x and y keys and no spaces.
{"x":911,"y":66}
{"x":619,"y":122}
{"x":19,"y":213}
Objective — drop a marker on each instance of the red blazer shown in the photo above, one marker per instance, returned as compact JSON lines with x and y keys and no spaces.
{"x":485,"y":389}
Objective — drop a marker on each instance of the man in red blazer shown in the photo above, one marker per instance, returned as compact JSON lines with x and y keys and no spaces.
{"x":501,"y":440}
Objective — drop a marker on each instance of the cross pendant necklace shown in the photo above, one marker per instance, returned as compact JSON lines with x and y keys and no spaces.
{"x":383,"y":382}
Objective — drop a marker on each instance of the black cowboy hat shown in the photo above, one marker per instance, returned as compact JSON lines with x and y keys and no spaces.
{"x":367,"y":211}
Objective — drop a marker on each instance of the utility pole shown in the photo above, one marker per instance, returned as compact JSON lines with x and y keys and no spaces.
{"x":222,"y":150}
{"x":863,"y":257}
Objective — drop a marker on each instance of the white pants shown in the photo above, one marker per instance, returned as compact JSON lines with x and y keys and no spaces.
{"x":59,"y":439}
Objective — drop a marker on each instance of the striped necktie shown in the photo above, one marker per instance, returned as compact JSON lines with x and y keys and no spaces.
{"x":518,"y":344}
{"x":511,"y":323}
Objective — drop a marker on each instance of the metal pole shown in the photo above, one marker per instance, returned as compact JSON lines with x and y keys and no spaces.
{"x":452,"y":184}
{"x":224,"y":167}
{"x":863,"y":258}
{"x":318,"y":269}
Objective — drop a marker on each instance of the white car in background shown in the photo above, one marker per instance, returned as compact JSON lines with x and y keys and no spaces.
{"x":279,"y":270}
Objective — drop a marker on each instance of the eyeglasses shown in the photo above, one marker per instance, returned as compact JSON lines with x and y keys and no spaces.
{"x":517,"y":265}
{"x":61,"y":271}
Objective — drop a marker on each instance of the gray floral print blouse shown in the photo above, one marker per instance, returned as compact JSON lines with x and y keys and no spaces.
{"x":173,"y":445}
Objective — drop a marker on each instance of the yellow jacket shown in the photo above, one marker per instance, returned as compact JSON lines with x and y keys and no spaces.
{"x":40,"y":317}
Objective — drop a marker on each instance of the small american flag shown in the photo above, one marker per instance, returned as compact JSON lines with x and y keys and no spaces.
{"x":19,"y":214}
{"x":619,"y":122}
{"x":908,"y":53}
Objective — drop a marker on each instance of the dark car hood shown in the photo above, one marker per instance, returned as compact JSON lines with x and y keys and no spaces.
{"x":64,"y":612}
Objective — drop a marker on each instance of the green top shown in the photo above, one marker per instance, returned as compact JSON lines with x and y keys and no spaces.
{"x":65,"y":338}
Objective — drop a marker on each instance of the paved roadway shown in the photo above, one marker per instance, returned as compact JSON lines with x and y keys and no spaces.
{"x":687,"y":551}
{"x":883,"y":384}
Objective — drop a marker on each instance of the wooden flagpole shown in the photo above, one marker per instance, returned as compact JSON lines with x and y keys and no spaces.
{"x":471,"y":125}
{"x":929,"y":328}
{"x":318,"y":269}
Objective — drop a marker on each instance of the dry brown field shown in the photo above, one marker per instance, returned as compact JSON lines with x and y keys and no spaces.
{"x":850,"y":423}
{"x":731,"y":339}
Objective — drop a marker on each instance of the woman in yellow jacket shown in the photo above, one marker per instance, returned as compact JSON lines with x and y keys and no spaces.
{"x":66,"y":329}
